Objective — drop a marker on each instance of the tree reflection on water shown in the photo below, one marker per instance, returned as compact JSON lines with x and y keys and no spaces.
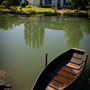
{"x":33,"y":34}
{"x":34,"y":28}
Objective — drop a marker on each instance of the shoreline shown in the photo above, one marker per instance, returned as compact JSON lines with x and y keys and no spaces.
{"x":65,"y":14}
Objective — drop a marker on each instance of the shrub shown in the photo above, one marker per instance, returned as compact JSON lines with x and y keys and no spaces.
{"x":5,"y":3}
{"x":22,"y":4}
{"x":29,"y":6}
{"x":1,"y":1}
{"x":13,"y":8}
{"x":82,"y":14}
{"x":26,"y":2}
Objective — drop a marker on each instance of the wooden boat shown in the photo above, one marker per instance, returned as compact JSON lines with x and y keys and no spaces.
{"x":62,"y":71}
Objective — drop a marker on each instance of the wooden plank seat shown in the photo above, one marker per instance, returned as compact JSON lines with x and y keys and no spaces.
{"x":78,"y":56}
{"x":56,"y":85}
{"x":76,"y":61}
{"x":74,"y":66}
{"x":71,"y":70}
{"x":62,"y":80}
{"x":66,"y":74}
{"x":50,"y":87}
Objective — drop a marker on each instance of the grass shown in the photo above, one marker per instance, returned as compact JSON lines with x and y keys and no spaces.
{"x":28,"y":8}
{"x":68,"y":11}
{"x":73,"y":11}
{"x":3,"y":9}
{"x":35,"y":10}
{"x":39,"y":10}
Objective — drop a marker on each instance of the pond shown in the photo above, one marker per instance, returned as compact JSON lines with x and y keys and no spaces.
{"x":24,"y":41}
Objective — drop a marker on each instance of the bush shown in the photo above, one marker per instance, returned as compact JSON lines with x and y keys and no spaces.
{"x":81,"y":14}
{"x":29,"y":6}
{"x":12,"y":8}
{"x":5,"y":3}
{"x":1,"y":1}
{"x":26,"y":2}
{"x":22,"y":4}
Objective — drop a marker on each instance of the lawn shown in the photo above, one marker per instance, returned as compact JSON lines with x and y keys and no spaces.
{"x":39,"y":10}
{"x":26,"y":9}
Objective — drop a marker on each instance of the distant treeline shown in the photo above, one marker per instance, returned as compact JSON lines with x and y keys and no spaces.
{"x":81,"y":4}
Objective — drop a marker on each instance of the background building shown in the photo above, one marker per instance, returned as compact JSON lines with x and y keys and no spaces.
{"x":58,"y":3}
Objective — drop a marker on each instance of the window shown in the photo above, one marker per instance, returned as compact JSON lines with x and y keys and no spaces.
{"x":47,"y":1}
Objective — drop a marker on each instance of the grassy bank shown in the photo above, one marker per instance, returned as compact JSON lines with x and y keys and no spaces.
{"x":28,"y":8}
{"x":39,"y":10}
{"x":79,"y":13}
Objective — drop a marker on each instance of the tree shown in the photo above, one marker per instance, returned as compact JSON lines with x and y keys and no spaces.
{"x":1,"y":1}
{"x":10,"y":2}
{"x":79,"y":3}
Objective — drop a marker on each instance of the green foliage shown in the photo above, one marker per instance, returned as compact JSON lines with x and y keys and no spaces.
{"x":10,"y":2}
{"x":16,"y":2}
{"x":26,"y":2}
{"x":13,"y":8}
{"x":29,"y":6}
{"x":1,"y":1}
{"x":68,"y":1}
{"x":5,"y":3}
{"x":79,"y":3}
{"x":88,"y":7}
{"x":23,"y":4}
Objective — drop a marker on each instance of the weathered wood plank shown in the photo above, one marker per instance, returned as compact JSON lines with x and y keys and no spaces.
{"x":66,"y":74}
{"x":62,"y":79}
{"x":74,"y":66}
{"x":78,"y":56}
{"x":56,"y":85}
{"x":76,"y":61}
{"x":71,"y":70}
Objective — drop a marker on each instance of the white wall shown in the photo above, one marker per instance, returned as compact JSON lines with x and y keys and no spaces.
{"x":62,"y":2}
{"x":36,"y":2}
{"x":54,"y":2}
{"x":30,"y":1}
{"x":43,"y":2}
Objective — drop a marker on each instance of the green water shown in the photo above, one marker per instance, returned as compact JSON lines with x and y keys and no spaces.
{"x":24,"y":41}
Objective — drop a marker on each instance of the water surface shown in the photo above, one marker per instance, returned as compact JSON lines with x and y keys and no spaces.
{"x":24,"y":41}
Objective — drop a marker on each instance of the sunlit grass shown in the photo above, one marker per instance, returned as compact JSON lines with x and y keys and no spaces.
{"x":39,"y":10}
{"x":28,"y":8}
{"x":68,"y":11}
{"x":35,"y":9}
{"x":3,"y":9}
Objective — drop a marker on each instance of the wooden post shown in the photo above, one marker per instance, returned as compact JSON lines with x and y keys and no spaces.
{"x":46,"y":55}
